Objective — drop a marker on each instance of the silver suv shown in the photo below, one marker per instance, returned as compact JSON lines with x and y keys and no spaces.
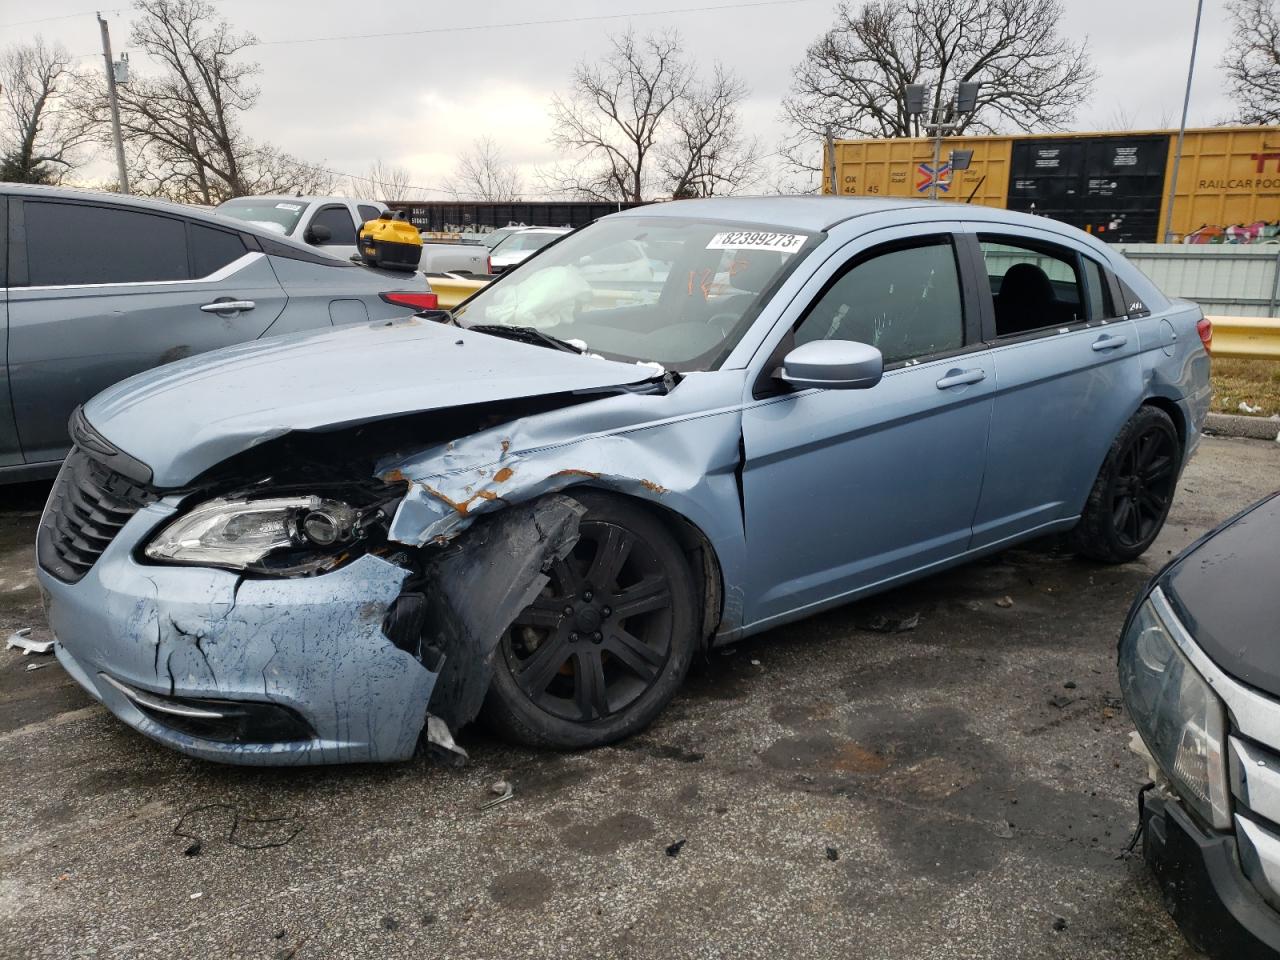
{"x":95,"y":287}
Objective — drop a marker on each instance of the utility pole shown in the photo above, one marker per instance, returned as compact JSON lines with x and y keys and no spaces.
{"x":115,"y":105}
{"x":1182,"y":129}
{"x":831,"y":160}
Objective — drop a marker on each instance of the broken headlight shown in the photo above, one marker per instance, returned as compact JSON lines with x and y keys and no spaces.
{"x":1178,"y":716}
{"x":287,"y":535}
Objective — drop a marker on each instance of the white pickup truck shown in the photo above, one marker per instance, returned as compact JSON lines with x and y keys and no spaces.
{"x":330,"y":224}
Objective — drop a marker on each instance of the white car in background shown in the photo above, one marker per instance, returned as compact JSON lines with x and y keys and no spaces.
{"x":330,"y":224}
{"x":521,"y":245}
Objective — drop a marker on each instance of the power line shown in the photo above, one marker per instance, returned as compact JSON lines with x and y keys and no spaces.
{"x":534,"y":23}
{"x":65,"y":16}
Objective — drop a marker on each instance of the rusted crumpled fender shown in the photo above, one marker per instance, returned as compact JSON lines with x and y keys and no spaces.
{"x":686,"y":464}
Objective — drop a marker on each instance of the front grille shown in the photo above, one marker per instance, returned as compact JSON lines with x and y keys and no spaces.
{"x":87,"y":507}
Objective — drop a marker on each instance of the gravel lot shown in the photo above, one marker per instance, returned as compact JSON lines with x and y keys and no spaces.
{"x":959,"y":790}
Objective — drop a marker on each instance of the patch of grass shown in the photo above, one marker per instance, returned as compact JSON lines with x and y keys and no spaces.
{"x":1255,"y":382}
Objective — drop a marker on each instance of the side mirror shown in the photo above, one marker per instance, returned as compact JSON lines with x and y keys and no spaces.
{"x":318,"y":233}
{"x":832,"y":365}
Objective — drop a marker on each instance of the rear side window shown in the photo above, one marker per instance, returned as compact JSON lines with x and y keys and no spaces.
{"x":338,"y":220}
{"x":905,"y":302}
{"x":368,"y":213}
{"x":1100,"y":305}
{"x":1034,"y":286}
{"x":77,"y":243}
{"x":212,"y":249}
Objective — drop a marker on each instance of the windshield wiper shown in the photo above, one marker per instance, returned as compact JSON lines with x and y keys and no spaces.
{"x":526,"y":335}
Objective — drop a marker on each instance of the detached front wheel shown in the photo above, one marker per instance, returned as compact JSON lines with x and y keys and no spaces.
{"x":605,"y":647}
{"x":1131,"y":497}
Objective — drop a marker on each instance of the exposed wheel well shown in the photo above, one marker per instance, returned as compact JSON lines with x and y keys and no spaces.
{"x":1175,"y":414}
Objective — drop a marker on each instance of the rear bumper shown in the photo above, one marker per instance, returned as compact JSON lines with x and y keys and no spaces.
{"x":1214,"y":904}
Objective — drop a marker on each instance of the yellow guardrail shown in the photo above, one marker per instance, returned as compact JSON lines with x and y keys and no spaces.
{"x":1248,"y":338}
{"x":451,"y":290}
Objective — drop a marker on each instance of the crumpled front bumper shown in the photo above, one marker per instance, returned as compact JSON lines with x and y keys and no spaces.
{"x":1205,"y":890}
{"x":312,"y":645}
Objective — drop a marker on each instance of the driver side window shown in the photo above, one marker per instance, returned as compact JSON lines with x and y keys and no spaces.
{"x":338,"y":220}
{"x":905,"y":302}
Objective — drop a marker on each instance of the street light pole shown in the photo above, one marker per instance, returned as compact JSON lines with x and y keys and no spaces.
{"x":115,"y":106}
{"x":1182,"y":128}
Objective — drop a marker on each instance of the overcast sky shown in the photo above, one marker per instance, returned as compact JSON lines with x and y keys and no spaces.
{"x":415,"y":99}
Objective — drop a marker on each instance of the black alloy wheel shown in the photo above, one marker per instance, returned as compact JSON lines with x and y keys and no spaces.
{"x":604,"y":647}
{"x":1142,"y":488}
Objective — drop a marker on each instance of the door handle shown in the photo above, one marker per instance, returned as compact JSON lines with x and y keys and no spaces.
{"x":1107,"y":342}
{"x":958,"y":378}
{"x":228,"y":306}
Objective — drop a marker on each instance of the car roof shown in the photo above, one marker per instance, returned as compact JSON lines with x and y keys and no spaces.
{"x":191,"y":212}
{"x":814,"y":212}
{"x":285,"y":196}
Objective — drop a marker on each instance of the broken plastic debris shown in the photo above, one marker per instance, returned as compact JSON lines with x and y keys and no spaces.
{"x":674,"y":849}
{"x":438,"y":736}
{"x":38,"y":666}
{"x":21,"y":640}
{"x":1005,"y":602}
{"x":883,"y":624}
{"x":1246,"y":407}
{"x":504,"y":792}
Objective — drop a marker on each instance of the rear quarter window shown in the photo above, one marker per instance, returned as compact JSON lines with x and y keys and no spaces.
{"x":213,"y":249}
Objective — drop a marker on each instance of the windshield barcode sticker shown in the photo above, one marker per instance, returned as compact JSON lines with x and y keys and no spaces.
{"x":289,"y":206}
{"x":757,"y":240}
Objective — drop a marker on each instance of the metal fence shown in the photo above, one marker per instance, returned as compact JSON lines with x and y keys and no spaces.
{"x":1239,"y":280}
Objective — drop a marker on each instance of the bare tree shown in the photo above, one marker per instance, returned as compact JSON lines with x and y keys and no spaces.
{"x":613,"y":115}
{"x":640,"y":123}
{"x":483,"y":173}
{"x":709,"y":153}
{"x":40,"y":135}
{"x":852,"y":77}
{"x":384,"y":182}
{"x":1252,"y":61}
{"x":183,"y":124}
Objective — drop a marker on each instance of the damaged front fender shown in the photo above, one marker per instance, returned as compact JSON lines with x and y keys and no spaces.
{"x":689,"y":466}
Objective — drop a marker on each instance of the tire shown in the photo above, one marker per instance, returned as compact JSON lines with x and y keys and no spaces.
{"x":1130,"y":499}
{"x":573,"y":671}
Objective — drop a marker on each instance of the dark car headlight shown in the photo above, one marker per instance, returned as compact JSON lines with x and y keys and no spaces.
{"x":1178,"y":716}
{"x":300,"y":534}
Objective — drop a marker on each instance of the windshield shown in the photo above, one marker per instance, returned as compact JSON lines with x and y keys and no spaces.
{"x":491,"y":240}
{"x":525,"y":242}
{"x":279,"y":216}
{"x":646,"y":289}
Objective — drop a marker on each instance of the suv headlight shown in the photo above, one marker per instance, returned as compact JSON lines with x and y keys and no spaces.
{"x":1178,"y":716}
{"x":300,"y":534}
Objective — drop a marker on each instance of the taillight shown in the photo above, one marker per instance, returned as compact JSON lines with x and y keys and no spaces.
{"x":1205,"y":329}
{"x":488,"y":264}
{"x":412,"y":299}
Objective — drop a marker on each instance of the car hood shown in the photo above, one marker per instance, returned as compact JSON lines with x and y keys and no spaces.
{"x":185,"y":417}
{"x":1226,"y":590}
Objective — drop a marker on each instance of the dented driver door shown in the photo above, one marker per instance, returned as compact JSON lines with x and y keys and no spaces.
{"x":847,"y":489}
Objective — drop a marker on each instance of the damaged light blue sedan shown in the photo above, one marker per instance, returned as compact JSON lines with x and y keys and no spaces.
{"x":681,"y":425}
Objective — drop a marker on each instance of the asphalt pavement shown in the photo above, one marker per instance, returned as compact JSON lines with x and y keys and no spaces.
{"x":958,"y":789}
